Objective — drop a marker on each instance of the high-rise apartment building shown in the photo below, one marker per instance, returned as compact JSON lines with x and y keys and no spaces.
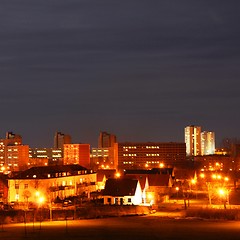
{"x":103,"y":158}
{"x":45,"y":156}
{"x":199,"y":143}
{"x":208,"y":143}
{"x":17,"y":157}
{"x":77,"y":154}
{"x":60,"y":139}
{"x":193,"y":140}
{"x":10,"y":140}
{"x":149,"y":155}
{"x":106,"y":140}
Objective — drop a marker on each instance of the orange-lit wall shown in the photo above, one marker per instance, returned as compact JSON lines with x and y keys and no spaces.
{"x":77,"y":154}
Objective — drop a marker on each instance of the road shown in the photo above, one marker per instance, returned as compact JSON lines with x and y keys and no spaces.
{"x":150,"y":227}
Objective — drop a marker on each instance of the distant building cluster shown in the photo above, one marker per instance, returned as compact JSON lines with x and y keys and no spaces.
{"x":111,"y":154}
{"x":69,"y":169}
{"x":198,"y":142}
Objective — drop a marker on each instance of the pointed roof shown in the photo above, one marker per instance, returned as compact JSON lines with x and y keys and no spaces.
{"x":120,"y":187}
{"x":108,"y":173}
{"x":151,"y":171}
{"x":142,"y":178}
{"x":159,"y":180}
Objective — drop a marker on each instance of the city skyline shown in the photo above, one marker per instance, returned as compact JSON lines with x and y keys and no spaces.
{"x":138,"y":69}
{"x":106,"y":140}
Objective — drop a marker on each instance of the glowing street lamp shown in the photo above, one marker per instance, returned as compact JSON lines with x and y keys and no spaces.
{"x":193,"y":181}
{"x":221,"y":192}
{"x":226,"y":179}
{"x":177,"y":189}
{"x":224,"y":195}
{"x":202,"y":175}
{"x":40,"y":201}
{"x":118,"y":175}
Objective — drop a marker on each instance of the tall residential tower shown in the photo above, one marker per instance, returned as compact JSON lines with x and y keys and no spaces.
{"x":199,"y":143}
{"x":193,"y":140}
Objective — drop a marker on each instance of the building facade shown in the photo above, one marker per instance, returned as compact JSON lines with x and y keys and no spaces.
{"x":106,"y":140}
{"x":77,"y":154}
{"x":149,"y":155}
{"x":10,"y":140}
{"x":193,"y":140}
{"x":17,"y":157}
{"x":60,"y":139}
{"x":208,"y":143}
{"x":103,"y":158}
{"x":49,"y":183}
{"x":45,"y":156}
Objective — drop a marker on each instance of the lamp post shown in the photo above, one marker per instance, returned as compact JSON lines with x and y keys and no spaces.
{"x":40,"y":200}
{"x":177,"y":189}
{"x":222,"y":194}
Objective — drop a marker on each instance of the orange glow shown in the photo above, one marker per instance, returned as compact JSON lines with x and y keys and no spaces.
{"x":214,"y":176}
{"x":222,"y":192}
{"x":41,"y":200}
{"x":202,"y":175}
{"x":118,"y":175}
{"x":226,"y":179}
{"x":177,"y":188}
{"x":161,"y":165}
{"x":193,"y":181}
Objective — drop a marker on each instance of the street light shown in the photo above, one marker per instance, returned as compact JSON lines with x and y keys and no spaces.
{"x":118,"y":175}
{"x":224,"y":194}
{"x":40,"y":200}
{"x":177,"y":189}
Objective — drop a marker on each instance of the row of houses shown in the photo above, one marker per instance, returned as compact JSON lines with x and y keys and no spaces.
{"x":46,"y":184}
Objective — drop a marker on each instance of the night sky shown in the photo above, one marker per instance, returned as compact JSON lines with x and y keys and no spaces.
{"x":141,"y":69}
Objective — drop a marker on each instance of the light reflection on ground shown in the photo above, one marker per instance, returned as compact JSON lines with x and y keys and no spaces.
{"x":124,"y":228}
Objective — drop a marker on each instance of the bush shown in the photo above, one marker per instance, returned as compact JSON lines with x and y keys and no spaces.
{"x":211,"y":213}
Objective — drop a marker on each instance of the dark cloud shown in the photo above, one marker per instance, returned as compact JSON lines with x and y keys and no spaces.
{"x":141,"y":69}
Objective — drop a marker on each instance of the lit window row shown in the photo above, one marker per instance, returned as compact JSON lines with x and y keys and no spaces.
{"x":152,"y":147}
{"x":130,"y":147}
{"x":152,"y":155}
{"x":130,"y":155}
{"x":56,"y":151}
{"x":153,"y":162}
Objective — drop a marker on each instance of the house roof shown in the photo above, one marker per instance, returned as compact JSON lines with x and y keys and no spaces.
{"x":184,"y":173}
{"x":108,"y":173}
{"x":44,"y":171}
{"x":153,"y":179}
{"x":120,"y":187}
{"x":158,"y":180}
{"x":151,"y":171}
{"x":140,"y":177}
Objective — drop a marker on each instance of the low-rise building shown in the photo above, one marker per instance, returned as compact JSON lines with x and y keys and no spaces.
{"x":49,"y":183}
{"x":122,"y":192}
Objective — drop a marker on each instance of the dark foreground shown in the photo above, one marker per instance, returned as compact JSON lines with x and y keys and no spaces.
{"x":124,"y":228}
